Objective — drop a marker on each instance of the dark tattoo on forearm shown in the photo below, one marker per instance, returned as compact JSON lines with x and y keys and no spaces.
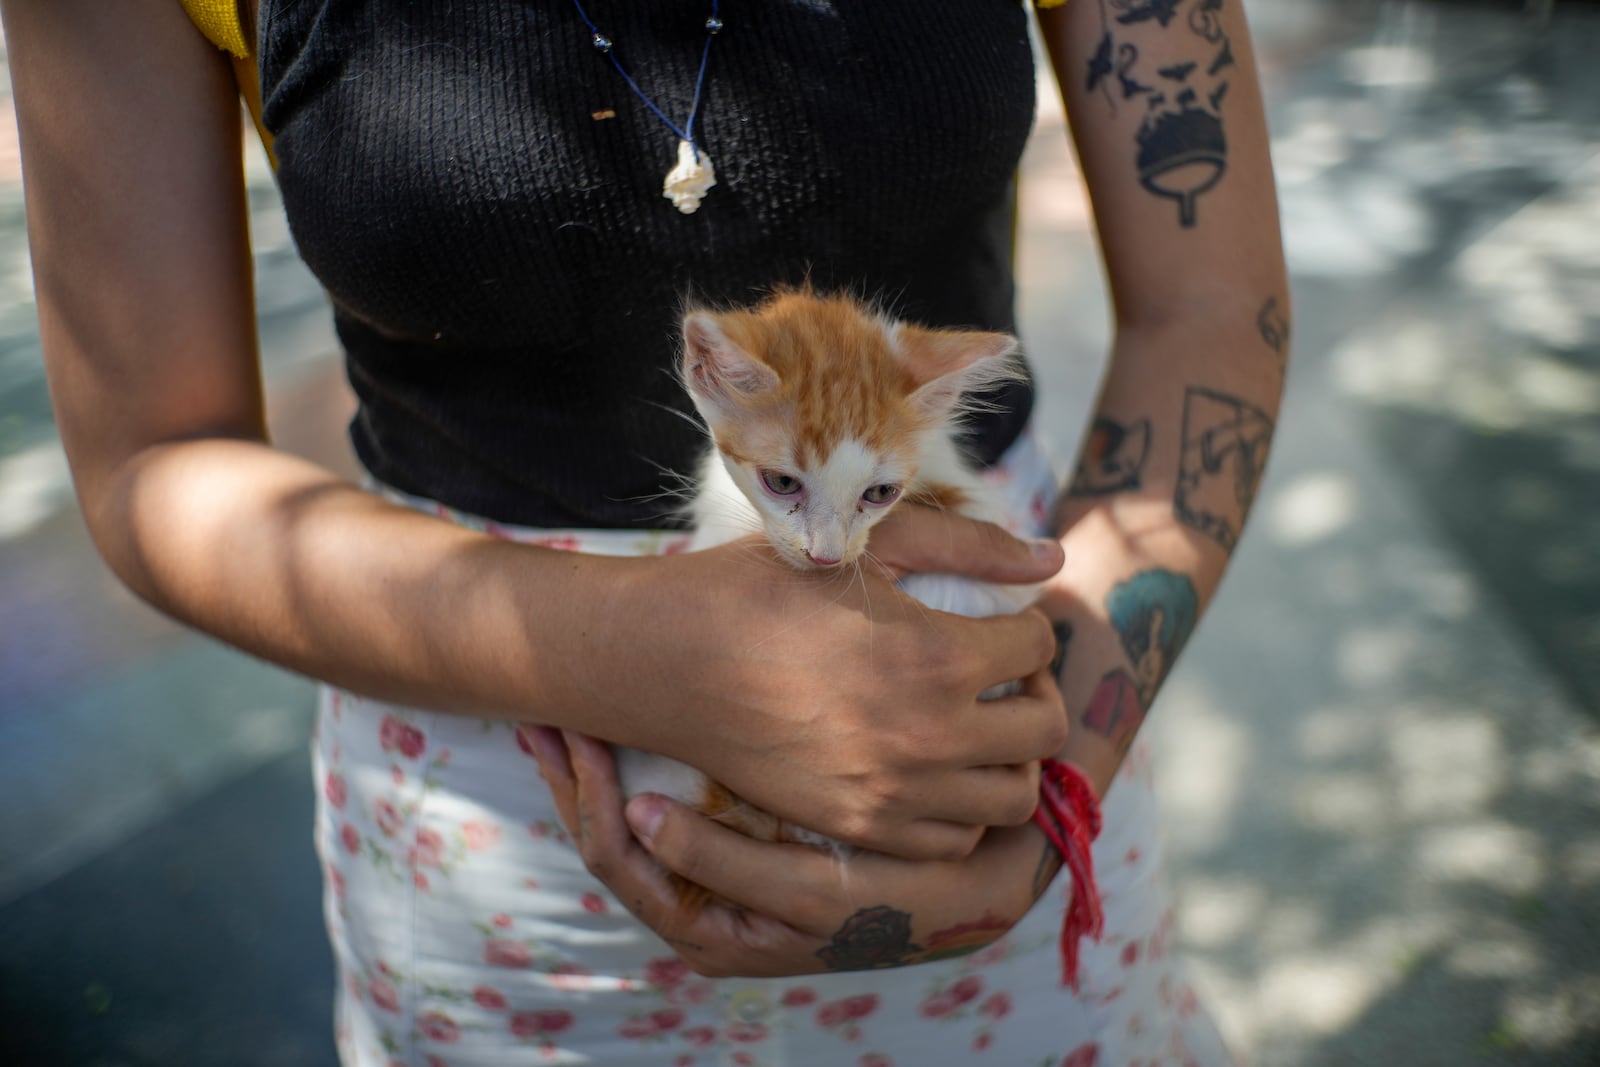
{"x":1225,"y":442}
{"x":1115,"y":712}
{"x":1182,"y":149}
{"x":1063,"y":632}
{"x":1274,"y":327}
{"x":1136,"y":11}
{"x":1113,"y":458}
{"x":871,"y":938}
{"x":1154,"y":612}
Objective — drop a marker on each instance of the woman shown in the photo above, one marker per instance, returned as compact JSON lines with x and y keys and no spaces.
{"x":480,"y":190}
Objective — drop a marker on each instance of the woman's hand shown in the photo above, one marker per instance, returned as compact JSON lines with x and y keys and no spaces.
{"x":869,"y":912}
{"x":835,"y":701}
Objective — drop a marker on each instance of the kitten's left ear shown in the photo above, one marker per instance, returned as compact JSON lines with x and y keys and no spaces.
{"x":715,"y":368}
{"x":948,"y":364}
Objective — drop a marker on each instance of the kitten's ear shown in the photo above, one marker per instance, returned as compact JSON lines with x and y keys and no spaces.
{"x":717,"y":370}
{"x":948,"y":364}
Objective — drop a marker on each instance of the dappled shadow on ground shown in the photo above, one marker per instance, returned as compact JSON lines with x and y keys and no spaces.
{"x":1384,"y":794}
{"x":1393,"y":1031}
{"x":1453,"y":156}
{"x":1369,"y":774}
{"x":1485,"y":389}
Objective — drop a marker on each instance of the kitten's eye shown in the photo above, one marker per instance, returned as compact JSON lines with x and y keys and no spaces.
{"x":881,"y":494}
{"x":780,"y":484}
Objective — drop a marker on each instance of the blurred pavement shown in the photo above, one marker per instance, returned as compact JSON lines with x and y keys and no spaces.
{"x":1381,"y":753}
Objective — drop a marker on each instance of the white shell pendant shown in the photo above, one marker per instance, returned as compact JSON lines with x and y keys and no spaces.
{"x":687,"y":183}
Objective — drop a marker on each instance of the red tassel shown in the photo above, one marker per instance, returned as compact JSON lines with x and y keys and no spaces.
{"x":1069,"y":815}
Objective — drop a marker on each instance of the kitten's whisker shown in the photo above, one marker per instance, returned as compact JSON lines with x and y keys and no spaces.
{"x":866,"y":600}
{"x":922,"y":608}
{"x":684,"y":415}
{"x":680,"y":490}
{"x":883,"y":568}
{"x":666,"y":471}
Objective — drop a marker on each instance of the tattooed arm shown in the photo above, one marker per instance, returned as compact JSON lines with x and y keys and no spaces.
{"x":1166,"y":111}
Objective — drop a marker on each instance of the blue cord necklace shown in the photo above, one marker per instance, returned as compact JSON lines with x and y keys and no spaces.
{"x":687,"y":183}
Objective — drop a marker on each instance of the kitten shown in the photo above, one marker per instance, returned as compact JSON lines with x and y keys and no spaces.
{"x":825,"y":416}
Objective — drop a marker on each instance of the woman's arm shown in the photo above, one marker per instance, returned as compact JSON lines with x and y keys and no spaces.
{"x":1166,"y":110}
{"x":131,"y":148}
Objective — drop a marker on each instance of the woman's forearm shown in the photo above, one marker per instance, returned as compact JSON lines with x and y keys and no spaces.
{"x":713,"y":657}
{"x":1166,"y":110}
{"x":282,"y":559}
{"x":1149,"y":522}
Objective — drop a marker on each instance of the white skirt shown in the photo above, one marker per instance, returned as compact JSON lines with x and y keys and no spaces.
{"x":468,"y":933}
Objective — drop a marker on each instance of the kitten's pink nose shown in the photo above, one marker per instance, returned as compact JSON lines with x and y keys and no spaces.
{"x":821,"y":561}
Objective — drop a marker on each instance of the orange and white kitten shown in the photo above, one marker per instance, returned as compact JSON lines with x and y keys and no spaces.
{"x":826,"y":416}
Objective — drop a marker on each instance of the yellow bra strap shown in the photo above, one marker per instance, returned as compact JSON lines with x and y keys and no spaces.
{"x":220,"y":22}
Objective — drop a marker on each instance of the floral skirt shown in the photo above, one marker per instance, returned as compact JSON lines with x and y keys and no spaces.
{"x":468,"y":933}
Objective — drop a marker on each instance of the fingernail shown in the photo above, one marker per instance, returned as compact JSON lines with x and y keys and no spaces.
{"x":543,"y":741}
{"x":1044,"y":548}
{"x":644,"y":814}
{"x":575,"y":743}
{"x":547,"y":749}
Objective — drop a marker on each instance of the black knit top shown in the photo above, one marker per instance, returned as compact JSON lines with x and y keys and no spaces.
{"x":480,"y":192}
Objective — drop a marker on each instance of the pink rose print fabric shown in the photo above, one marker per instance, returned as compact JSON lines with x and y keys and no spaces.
{"x":468,"y":933}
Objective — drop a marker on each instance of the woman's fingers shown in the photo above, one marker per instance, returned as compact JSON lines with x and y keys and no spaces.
{"x":935,"y":840}
{"x":1009,"y":736}
{"x":923,"y":540}
{"x":1008,"y":647}
{"x":988,"y":796}
{"x":571,"y":766}
{"x":738,"y":867}
{"x":801,"y":922}
{"x":555,"y":767}
{"x":716,"y":940}
{"x":819,"y":896}
{"x":611,"y":851}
